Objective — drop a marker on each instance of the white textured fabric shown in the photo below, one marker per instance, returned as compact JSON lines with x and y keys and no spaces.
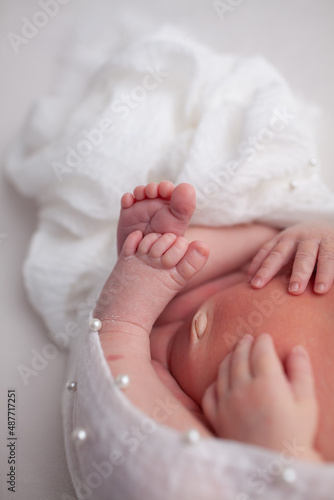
{"x":163,"y":107}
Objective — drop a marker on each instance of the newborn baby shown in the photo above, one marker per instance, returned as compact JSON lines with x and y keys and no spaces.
{"x":182,"y":319}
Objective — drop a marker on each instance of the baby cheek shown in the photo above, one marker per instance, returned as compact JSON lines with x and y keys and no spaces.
{"x":181,"y":358}
{"x":178,"y":351}
{"x":189,"y":360}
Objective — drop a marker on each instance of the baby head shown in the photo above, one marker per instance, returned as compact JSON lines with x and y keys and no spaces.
{"x":198,"y":347}
{"x":202,"y":342}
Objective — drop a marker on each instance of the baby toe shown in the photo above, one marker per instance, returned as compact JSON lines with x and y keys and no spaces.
{"x":174,"y":254}
{"x":151,"y":190}
{"x":147,"y":242}
{"x":131,"y":243}
{"x":165,"y":189}
{"x":139,"y":193}
{"x":127,"y":200}
{"x":162,"y":245}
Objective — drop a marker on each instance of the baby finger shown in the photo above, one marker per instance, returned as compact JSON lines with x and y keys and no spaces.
{"x":264,"y":358}
{"x":278,"y":257}
{"x":209,"y":403}
{"x":325,"y":268}
{"x":223,"y":379}
{"x":303,"y":266}
{"x":240,"y":373}
{"x":261,"y":255}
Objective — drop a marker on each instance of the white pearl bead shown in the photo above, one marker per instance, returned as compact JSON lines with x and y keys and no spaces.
{"x":313,"y":162}
{"x":95,"y":325}
{"x":79,"y":435}
{"x":293,"y":184}
{"x":289,"y":475}
{"x":122,"y":381}
{"x":192,"y":436}
{"x":71,"y":386}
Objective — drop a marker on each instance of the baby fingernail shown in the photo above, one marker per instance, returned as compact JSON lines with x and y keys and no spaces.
{"x":247,"y":337}
{"x":298,"y":349}
{"x":320,"y":287}
{"x":257,"y":281}
{"x":201,"y":251}
{"x":294,"y":287}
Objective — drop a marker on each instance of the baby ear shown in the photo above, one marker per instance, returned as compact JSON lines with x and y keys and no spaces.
{"x":198,"y":326}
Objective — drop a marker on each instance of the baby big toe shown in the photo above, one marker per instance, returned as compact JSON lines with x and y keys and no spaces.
{"x":193,"y":261}
{"x":183,"y":202}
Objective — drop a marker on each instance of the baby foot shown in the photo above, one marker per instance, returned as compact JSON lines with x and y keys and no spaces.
{"x":150,"y":271}
{"x":156,"y":208}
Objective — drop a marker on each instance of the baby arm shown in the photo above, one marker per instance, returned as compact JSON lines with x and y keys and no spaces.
{"x":230,"y":248}
{"x":310,"y":245}
{"x":256,"y":402}
{"x":148,"y":273}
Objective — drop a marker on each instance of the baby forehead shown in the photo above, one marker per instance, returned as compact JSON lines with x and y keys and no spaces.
{"x":234,"y":313}
{"x":241,"y":298}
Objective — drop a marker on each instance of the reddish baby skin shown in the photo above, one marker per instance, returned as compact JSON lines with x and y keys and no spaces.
{"x":229,"y":314}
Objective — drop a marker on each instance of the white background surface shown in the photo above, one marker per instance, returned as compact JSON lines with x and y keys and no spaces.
{"x":297,"y":36}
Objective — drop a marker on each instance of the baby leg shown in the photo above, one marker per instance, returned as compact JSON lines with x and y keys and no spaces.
{"x":150,"y":271}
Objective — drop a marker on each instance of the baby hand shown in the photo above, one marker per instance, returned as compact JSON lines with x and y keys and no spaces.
{"x":310,"y":244}
{"x":254,"y":401}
